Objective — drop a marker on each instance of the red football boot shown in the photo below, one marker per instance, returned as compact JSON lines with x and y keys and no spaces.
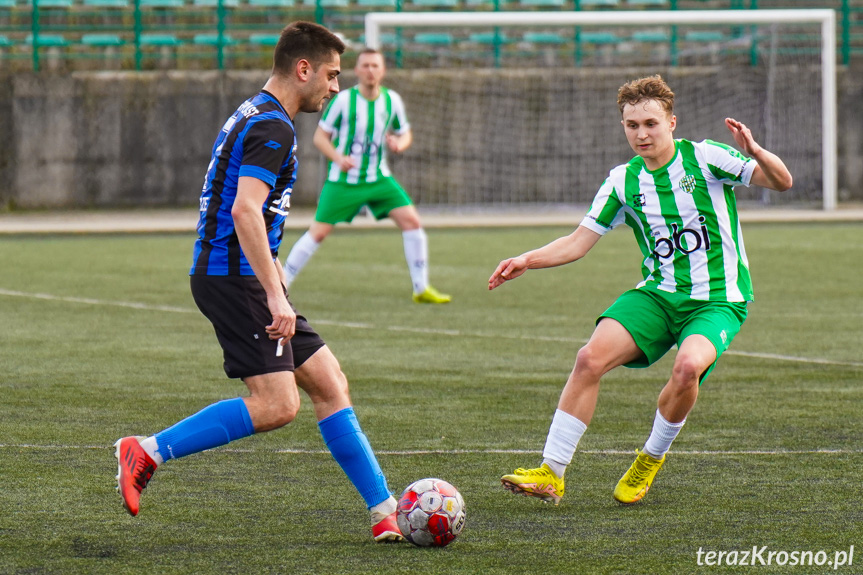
{"x":134,"y":470}
{"x":386,"y":530}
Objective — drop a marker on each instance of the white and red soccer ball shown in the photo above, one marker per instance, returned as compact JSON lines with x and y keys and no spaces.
{"x":430,"y":513}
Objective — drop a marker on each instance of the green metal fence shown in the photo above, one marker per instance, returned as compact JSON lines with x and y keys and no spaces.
{"x":233,"y":34}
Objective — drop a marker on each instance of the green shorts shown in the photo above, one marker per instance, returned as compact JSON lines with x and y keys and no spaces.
{"x":657,"y":320}
{"x":340,"y":202}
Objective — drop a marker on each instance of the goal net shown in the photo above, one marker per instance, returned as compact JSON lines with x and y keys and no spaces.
{"x":520,"y":108}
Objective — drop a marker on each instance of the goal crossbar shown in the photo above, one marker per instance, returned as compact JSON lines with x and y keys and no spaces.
{"x":374,"y":21}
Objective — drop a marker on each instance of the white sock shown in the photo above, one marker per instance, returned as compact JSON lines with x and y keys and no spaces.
{"x":300,"y":254}
{"x":417,"y":255}
{"x":152,"y":448}
{"x":383,"y":509}
{"x":563,"y":437}
{"x":663,"y":434}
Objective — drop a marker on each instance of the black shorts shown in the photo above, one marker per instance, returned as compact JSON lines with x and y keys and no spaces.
{"x":237,"y":308}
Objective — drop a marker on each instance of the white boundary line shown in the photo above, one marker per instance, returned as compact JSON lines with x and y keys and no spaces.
{"x":409,"y":329}
{"x":728,"y":453}
{"x":89,"y":301}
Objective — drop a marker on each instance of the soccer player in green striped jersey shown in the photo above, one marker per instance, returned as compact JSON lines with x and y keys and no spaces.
{"x":678,"y":198}
{"x":356,"y":131}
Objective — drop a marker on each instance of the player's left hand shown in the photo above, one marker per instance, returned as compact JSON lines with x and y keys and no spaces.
{"x":394,"y":143}
{"x":508,"y":269}
{"x":284,"y":318}
{"x":743,"y":136}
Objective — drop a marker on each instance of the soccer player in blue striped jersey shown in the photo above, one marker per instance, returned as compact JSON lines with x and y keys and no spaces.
{"x":239,"y":286}
{"x":678,"y":198}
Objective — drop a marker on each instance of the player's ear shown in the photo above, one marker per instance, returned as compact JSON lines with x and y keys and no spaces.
{"x":304,"y":69}
{"x":673,"y":122}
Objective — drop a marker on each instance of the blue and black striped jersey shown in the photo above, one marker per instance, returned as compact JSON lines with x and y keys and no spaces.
{"x":258,"y":140}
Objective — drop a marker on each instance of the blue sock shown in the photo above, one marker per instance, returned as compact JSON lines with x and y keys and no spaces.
{"x":351,"y":449}
{"x":211,"y":427}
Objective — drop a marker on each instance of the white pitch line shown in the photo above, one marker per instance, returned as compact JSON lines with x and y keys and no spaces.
{"x":89,"y":301}
{"x":410,"y":329}
{"x":288,"y":451}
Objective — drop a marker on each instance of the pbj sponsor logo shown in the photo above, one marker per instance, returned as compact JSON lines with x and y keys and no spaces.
{"x":759,"y":556}
{"x":364,"y":146}
{"x":685,"y":240}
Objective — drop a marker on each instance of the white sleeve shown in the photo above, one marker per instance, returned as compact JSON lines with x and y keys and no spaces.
{"x":727,"y":164}
{"x":606,"y":211}
{"x":400,"y":123}
{"x":334,"y":114}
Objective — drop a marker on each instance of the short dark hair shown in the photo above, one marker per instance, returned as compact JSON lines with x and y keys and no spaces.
{"x":367,"y":51}
{"x":304,"y":40}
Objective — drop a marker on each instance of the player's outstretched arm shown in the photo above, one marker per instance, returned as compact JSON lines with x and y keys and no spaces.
{"x":770,"y":171}
{"x":559,"y":252}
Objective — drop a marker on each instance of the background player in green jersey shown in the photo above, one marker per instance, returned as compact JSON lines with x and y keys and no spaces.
{"x":354,"y":134}
{"x":677,"y":197}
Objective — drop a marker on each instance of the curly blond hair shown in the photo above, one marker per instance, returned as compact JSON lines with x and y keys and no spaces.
{"x":649,"y":88}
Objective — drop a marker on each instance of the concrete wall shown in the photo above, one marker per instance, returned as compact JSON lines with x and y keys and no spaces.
{"x":850,"y":87}
{"x":113,"y":139}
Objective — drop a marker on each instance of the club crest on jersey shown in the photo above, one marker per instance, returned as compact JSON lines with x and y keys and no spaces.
{"x":686,"y":241}
{"x":735,"y":154}
{"x":688,"y":183}
{"x":638,"y":200}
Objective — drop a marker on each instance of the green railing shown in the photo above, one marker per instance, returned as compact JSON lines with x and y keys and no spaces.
{"x":223,"y":34}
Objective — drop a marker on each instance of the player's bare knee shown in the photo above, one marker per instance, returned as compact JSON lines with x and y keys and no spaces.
{"x":588,"y":363}
{"x":319,"y":236}
{"x":278,"y":414}
{"x":411,"y":223}
{"x":337,"y":388}
{"x":686,"y":372}
{"x":319,"y":231}
{"x":329,"y":387}
{"x":406,"y":218}
{"x":275,"y":408}
{"x":342,"y":383}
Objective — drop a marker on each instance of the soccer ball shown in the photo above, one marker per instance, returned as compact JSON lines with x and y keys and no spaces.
{"x":430,"y":513}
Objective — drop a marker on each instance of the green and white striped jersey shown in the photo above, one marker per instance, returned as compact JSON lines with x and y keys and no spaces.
{"x":684,"y":216}
{"x":358,"y":129}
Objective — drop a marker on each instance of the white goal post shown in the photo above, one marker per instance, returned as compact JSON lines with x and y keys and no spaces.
{"x":374,"y":21}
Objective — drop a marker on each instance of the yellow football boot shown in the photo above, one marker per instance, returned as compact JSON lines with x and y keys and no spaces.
{"x":431,"y":295}
{"x":540,"y":482}
{"x":635,"y":483}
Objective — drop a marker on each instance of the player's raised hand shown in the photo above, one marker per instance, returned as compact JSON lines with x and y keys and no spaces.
{"x":743,"y":136}
{"x":770,"y":171}
{"x":508,"y":269}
